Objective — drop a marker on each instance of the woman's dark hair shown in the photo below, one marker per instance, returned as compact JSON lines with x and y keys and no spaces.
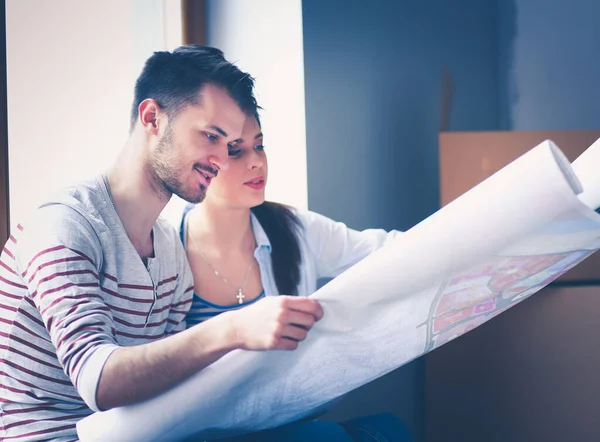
{"x":281,"y":226}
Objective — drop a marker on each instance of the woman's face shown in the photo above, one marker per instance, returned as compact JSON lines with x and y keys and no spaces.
{"x":243,"y":184}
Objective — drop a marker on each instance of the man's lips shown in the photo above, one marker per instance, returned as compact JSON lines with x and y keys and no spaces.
{"x":206,"y":175}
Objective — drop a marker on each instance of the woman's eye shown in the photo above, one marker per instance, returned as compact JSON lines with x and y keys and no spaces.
{"x":211,"y":137}
{"x":234,"y":152}
{"x":259,"y":147}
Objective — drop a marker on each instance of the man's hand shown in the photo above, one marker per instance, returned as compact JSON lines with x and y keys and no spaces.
{"x":274,"y":323}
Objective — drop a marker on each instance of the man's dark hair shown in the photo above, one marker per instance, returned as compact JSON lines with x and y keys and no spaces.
{"x":174,"y":80}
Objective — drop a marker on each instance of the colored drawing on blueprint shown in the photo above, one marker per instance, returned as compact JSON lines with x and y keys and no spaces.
{"x":472,"y":298}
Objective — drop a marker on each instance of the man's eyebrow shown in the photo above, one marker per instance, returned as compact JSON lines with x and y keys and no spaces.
{"x":218,"y":129}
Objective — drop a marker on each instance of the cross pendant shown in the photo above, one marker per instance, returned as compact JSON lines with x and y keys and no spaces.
{"x":240,"y":296}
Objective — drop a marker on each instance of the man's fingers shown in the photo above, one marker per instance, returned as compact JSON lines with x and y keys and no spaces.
{"x":287,"y":344}
{"x":305,"y":305}
{"x":294,"y":317}
{"x":294,"y":333}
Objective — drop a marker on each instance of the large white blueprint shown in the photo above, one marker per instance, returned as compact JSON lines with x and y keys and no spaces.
{"x":494,"y":246}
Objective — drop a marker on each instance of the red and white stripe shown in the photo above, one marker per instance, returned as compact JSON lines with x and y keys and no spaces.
{"x":53,"y":315}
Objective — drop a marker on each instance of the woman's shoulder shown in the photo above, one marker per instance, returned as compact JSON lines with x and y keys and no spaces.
{"x":303,"y":217}
{"x":181,"y":228}
{"x":312,"y":220}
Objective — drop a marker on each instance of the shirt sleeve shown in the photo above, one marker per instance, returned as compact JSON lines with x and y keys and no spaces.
{"x":60,"y":257}
{"x":336,"y":247}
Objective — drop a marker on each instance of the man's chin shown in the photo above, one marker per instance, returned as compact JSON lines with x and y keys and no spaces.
{"x":193,"y":198}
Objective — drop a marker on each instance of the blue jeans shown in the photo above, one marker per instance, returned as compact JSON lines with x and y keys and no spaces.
{"x":384,"y":427}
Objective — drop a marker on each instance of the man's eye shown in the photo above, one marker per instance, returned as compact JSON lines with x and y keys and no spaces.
{"x":211,"y":137}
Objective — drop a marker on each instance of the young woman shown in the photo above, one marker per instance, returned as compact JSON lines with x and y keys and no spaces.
{"x":242,"y":248}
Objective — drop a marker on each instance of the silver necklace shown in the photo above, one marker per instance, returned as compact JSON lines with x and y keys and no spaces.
{"x":240,"y":289}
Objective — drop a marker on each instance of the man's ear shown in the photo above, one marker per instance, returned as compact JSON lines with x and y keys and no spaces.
{"x":150,"y":114}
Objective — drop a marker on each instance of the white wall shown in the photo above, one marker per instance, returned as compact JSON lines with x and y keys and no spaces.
{"x":71,"y":68}
{"x":264,"y":38}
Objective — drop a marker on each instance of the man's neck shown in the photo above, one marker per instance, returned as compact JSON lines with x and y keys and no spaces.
{"x":137,"y":203}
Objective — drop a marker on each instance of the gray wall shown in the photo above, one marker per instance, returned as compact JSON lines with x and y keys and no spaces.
{"x":373,"y":75}
{"x":373,"y":87}
{"x":549,"y":64}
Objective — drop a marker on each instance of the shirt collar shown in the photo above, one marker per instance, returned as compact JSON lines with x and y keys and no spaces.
{"x":262,"y":241}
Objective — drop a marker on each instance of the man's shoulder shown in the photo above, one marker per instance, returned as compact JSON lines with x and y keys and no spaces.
{"x":87,"y":196}
{"x":68,"y":212}
{"x":86,"y":203}
{"x":69,"y":220}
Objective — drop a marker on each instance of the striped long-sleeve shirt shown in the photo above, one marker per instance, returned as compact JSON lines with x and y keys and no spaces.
{"x":73,"y":289}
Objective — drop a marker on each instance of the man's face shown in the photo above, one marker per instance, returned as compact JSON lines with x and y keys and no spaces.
{"x":193,"y":147}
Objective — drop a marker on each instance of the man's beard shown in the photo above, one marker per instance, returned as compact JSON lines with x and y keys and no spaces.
{"x":165,"y":174}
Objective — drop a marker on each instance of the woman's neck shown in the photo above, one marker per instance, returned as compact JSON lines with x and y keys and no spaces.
{"x":221,"y":231}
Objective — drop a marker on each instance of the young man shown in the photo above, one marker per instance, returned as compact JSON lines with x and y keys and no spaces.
{"x":94,"y":289}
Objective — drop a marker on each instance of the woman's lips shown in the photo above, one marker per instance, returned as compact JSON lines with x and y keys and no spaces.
{"x":256,"y":183}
